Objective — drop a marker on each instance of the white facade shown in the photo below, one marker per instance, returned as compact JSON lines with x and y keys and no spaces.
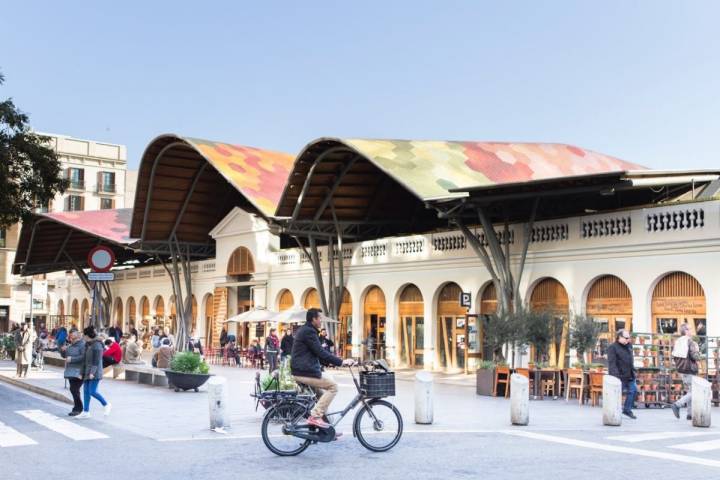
{"x":639,"y":246}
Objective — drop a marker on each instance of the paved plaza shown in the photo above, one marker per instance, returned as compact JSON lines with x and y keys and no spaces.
{"x":471,"y":435}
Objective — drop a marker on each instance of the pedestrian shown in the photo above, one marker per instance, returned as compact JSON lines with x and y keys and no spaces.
{"x":61,"y":336}
{"x":620,"y":365}
{"x":132,"y":353}
{"x":155,"y":340}
{"x":164,"y":355}
{"x":112,"y":354}
{"x":325,"y":341}
{"x":133,"y":331}
{"x":223,"y":337}
{"x":272,"y":347}
{"x":169,"y":336}
{"x":24,"y":344}
{"x":286,"y":344}
{"x":232,"y":350}
{"x":115,"y":332}
{"x":92,"y":372}
{"x":686,"y":353}
{"x":74,"y":355}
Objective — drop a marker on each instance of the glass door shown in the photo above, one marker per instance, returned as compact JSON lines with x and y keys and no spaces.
{"x":413,"y":341}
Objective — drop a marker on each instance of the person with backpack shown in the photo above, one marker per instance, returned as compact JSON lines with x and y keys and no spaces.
{"x":686,"y":353}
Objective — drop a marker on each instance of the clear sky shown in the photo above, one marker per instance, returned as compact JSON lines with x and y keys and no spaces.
{"x":639,"y":80}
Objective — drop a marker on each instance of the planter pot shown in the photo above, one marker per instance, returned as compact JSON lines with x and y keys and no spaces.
{"x":485,"y":378}
{"x":186,"y":381}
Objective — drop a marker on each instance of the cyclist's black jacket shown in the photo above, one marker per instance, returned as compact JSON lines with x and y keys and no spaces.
{"x":307,"y":353}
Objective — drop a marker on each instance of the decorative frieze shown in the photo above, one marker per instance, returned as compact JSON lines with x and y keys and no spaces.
{"x":675,"y":220}
{"x":373,"y":251}
{"x":549,"y":233}
{"x":449,"y":243}
{"x":145,"y":273}
{"x":409,"y":246}
{"x":606,"y":227}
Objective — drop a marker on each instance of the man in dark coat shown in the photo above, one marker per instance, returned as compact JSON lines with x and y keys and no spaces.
{"x":620,"y":365}
{"x":286,"y":344}
{"x":307,"y":354}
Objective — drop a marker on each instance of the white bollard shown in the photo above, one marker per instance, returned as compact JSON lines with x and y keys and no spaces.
{"x":218,"y":403}
{"x":701,"y":402}
{"x":612,"y":401}
{"x":423,"y":398}
{"x":519,"y":399}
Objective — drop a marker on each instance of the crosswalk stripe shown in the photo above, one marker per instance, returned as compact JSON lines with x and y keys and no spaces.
{"x":645,"y":437}
{"x":63,"y":427}
{"x":10,"y":437}
{"x":699,"y":446}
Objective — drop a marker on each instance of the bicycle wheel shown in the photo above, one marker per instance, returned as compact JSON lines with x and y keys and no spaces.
{"x":276,"y":420}
{"x":378,"y":426}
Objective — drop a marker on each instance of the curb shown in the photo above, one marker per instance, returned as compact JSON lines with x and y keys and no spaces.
{"x":35,"y":389}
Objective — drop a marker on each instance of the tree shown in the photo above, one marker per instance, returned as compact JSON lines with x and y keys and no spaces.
{"x":539,"y":330}
{"x":29,"y":169}
{"x":584,"y":333}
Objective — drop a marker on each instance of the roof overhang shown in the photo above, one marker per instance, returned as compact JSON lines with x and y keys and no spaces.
{"x":61,"y":241}
{"x":186,"y":186}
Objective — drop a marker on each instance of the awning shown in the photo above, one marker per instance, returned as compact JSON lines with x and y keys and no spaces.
{"x":187,"y":185}
{"x":59,"y":241}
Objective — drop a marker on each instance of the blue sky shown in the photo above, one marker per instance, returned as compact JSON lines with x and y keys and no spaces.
{"x":634,"y":79}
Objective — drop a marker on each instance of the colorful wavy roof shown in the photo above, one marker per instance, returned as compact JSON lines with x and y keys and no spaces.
{"x":260,"y":175}
{"x":431,"y":168}
{"x":112,"y":225}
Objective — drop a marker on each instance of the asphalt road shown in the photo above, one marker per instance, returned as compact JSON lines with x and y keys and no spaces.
{"x":511,"y":453}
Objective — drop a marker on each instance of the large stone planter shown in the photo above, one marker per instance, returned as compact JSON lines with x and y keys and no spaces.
{"x":484,"y":381}
{"x":186,"y":381}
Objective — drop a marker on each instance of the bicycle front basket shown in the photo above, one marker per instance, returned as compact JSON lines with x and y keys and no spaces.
{"x":378,"y":384}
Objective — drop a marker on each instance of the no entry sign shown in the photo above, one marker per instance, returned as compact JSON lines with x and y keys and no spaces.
{"x":101,"y":259}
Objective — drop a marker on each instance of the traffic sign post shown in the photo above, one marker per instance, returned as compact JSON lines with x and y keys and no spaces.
{"x":100,"y":259}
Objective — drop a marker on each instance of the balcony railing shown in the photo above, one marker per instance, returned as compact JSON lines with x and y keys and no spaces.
{"x":106,"y":188}
{"x":76,"y":185}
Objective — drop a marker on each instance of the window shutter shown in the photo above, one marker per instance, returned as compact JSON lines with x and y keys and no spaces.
{"x":82,"y":203}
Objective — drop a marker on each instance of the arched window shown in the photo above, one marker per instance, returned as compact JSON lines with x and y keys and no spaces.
{"x":241,"y":262}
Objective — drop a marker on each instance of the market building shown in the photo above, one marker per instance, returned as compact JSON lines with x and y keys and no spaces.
{"x":630,"y":247}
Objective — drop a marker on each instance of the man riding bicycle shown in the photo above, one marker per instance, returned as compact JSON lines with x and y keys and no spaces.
{"x":307,"y":355}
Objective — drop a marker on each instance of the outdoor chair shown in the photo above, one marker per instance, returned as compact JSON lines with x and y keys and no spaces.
{"x":596,"y":387}
{"x":502,"y":376}
{"x":575,"y":383}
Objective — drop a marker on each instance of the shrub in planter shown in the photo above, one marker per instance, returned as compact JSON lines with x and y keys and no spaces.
{"x":187,"y":371}
{"x":485,"y":377}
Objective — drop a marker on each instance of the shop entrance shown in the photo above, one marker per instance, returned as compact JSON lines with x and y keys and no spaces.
{"x":609,"y":303}
{"x":679,"y":299}
{"x":551,"y":297}
{"x":412,"y":331}
{"x":452,"y":329}
{"x":374,"y":324}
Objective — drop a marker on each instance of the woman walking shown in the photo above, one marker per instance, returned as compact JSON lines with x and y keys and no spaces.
{"x":74,"y":355}
{"x":23,"y":356}
{"x":272,"y":346}
{"x":92,"y":372}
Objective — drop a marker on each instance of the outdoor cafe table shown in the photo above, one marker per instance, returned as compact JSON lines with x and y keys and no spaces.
{"x":538,"y":375}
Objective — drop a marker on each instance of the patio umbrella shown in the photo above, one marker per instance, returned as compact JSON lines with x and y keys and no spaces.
{"x":297,"y":315}
{"x":254,"y":315}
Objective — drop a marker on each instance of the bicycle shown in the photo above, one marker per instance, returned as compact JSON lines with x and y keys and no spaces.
{"x":378,"y":425}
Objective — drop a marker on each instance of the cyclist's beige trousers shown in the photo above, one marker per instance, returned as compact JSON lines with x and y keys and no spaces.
{"x":327,"y":388}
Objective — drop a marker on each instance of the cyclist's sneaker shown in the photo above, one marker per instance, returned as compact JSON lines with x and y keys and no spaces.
{"x":338,"y":435}
{"x":317,"y":422}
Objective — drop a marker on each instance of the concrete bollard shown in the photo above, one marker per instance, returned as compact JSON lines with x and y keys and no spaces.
{"x":612,"y":401}
{"x":218,"y":402}
{"x":519,"y":399}
{"x":701,"y":402}
{"x":423,"y":398}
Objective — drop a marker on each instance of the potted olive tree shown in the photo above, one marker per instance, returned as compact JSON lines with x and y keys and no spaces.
{"x":584,"y":334}
{"x":187,"y":371}
{"x":500,"y":331}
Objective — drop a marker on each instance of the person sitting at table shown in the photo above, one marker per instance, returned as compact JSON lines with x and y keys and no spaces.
{"x":256,"y":352}
{"x":232,"y":351}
